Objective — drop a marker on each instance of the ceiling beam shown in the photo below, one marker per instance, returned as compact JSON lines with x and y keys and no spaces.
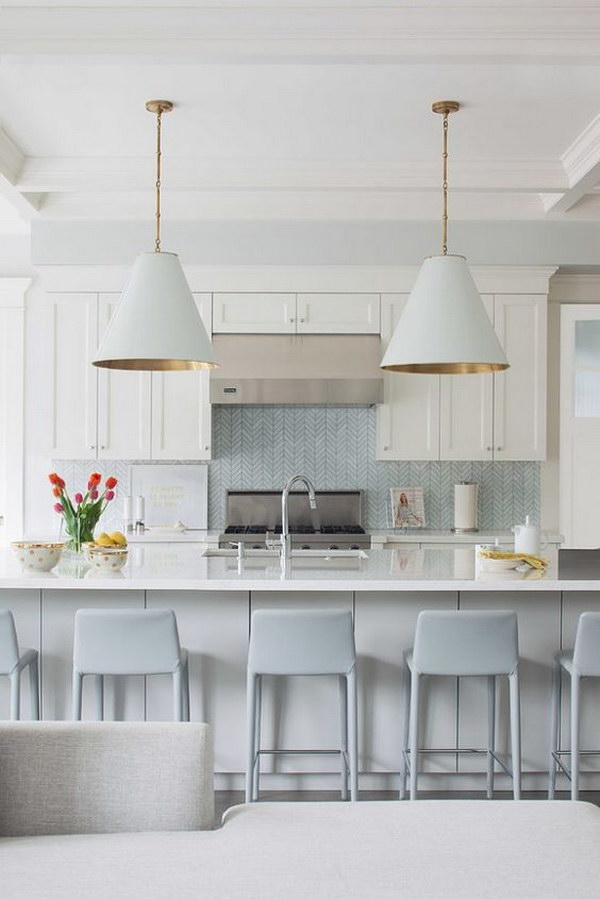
{"x":11,"y":164}
{"x":581,"y":163}
{"x":281,"y":33}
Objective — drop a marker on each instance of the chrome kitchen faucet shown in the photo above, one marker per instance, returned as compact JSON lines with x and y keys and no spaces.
{"x":286,"y":542}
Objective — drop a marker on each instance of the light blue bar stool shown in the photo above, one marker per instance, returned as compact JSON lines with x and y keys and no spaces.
{"x":12,"y":662}
{"x":302,"y":642}
{"x":582,"y":661}
{"x":463,"y":644}
{"x":128,"y":641}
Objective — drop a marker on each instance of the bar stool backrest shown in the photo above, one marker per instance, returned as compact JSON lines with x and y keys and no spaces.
{"x":126,"y":641}
{"x":466,"y":643}
{"x":586,"y":655}
{"x":301,"y":641}
{"x":9,"y":646}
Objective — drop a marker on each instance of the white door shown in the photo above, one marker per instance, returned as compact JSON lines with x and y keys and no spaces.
{"x":123,"y":402}
{"x":408,"y":421}
{"x":520,"y":391}
{"x":338,"y":313}
{"x":72,"y":329}
{"x":181,"y":410}
{"x":579,"y":512}
{"x":467,"y":411}
{"x":254,"y":313}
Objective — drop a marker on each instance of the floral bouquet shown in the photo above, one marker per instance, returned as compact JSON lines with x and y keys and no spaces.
{"x":81,"y":514}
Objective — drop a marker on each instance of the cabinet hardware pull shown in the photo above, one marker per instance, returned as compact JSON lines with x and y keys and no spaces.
{"x":489,"y":448}
{"x":386,"y":447}
{"x":292,"y":320}
{"x":92,"y":446}
{"x":499,"y":449}
{"x":301,"y":319}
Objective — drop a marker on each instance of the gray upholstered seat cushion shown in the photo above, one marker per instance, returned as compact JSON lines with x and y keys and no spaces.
{"x":424,"y":850}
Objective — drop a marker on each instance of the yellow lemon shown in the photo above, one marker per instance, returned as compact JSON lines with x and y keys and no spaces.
{"x":118,"y":538}
{"x":103,"y":540}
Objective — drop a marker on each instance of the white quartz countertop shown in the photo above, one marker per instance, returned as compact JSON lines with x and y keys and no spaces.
{"x":184,"y":567}
{"x":424,"y":535}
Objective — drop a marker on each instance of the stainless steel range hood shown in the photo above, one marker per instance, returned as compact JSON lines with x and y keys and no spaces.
{"x":282,"y":369}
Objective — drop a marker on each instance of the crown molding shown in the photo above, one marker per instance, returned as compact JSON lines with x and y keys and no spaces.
{"x":299,"y":33}
{"x":11,"y":165}
{"x":581,"y":163}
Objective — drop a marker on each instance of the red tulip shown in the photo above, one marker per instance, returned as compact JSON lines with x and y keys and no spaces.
{"x":94,"y":480}
{"x":110,"y":494}
{"x":60,"y":482}
{"x":111,"y":482}
{"x":78,"y":498}
{"x":94,"y":494}
{"x":58,"y":508}
{"x":57,"y":491}
{"x":53,"y":478}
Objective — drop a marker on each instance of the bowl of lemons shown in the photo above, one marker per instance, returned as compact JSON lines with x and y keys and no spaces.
{"x":107,"y":552}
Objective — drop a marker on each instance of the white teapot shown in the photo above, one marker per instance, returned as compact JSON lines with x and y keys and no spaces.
{"x":528,"y":538}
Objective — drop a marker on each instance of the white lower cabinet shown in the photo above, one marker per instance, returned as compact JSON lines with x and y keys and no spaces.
{"x":213,"y":627}
{"x":384,"y":627}
{"x":300,"y":712}
{"x":123,"y":697}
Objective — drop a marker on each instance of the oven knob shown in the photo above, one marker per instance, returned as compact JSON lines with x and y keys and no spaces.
{"x":305,"y":546}
{"x":333,"y":546}
{"x":354,"y":546}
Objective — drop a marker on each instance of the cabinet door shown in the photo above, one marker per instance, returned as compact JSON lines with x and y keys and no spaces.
{"x":408,"y":421}
{"x":254,"y":313}
{"x":466,"y":417}
{"x":123,"y":403}
{"x":338,"y":313}
{"x":73,"y":333}
{"x":181,"y":410}
{"x":520,"y":391}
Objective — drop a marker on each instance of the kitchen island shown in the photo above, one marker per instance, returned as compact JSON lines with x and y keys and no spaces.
{"x":213,"y":597}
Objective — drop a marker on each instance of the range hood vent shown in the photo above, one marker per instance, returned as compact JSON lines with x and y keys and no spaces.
{"x":297,"y":370}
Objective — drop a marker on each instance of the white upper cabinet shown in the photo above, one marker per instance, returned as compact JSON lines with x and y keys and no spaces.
{"x":123,"y":402}
{"x":290,"y":313}
{"x":338,"y":313}
{"x":408,"y":421}
{"x":520,"y":391}
{"x":181,"y":411}
{"x":254,"y":313}
{"x":70,"y":381}
{"x":467,"y":411}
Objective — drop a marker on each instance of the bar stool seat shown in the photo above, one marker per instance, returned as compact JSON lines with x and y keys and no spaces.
{"x":302,"y":642}
{"x":13,"y":661}
{"x":582,"y":661}
{"x":462,"y":644}
{"x":128,"y":641}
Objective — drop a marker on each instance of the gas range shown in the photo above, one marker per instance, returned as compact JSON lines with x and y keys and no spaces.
{"x":254,"y":518}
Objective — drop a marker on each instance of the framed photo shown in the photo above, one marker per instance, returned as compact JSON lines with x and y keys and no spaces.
{"x":408,"y":508}
{"x":172,"y":493}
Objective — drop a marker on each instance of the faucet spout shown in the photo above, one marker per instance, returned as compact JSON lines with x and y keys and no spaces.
{"x":285,"y":522}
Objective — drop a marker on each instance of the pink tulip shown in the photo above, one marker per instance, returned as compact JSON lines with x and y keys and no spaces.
{"x":78,"y":498}
{"x":94,"y":494}
{"x":110,"y":494}
{"x":58,"y":508}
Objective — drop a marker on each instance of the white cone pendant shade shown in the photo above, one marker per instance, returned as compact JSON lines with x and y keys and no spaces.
{"x":156,"y":325}
{"x":444,"y":327}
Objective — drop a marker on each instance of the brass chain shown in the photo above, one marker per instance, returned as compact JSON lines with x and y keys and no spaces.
{"x":158,"y":172}
{"x":445,"y":188}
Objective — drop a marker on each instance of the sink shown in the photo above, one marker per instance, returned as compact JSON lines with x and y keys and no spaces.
{"x":231,"y":553}
{"x":323,"y":559}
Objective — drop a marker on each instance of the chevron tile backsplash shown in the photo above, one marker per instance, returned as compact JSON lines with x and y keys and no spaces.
{"x":260,"y":447}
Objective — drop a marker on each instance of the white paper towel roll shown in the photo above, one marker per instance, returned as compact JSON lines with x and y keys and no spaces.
{"x":465,"y":507}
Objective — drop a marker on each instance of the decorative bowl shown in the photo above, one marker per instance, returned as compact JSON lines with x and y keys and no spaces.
{"x":498,"y":564}
{"x":36,"y":555}
{"x":106,"y":558}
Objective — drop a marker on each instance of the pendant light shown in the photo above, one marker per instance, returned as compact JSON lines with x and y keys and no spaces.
{"x":156,"y":325}
{"x":444,"y":328}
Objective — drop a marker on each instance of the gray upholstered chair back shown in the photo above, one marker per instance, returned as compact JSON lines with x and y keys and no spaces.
{"x":104,"y":777}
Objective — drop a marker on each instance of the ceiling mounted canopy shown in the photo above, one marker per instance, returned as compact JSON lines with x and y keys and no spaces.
{"x":444,"y":328}
{"x":156,"y":325}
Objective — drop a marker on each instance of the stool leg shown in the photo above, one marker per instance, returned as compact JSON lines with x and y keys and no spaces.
{"x":353,"y":733}
{"x":554,"y":729}
{"x":414,"y":733}
{"x":405,"y":729}
{"x":15,"y":695}
{"x":77,"y":691}
{"x":515,"y":732}
{"x":186,"y":691}
{"x":34,"y":688}
{"x":178,"y":679}
{"x":257,"y":737}
{"x":575,"y":736}
{"x":491,"y":688}
{"x":344,"y":733}
{"x":251,"y":737}
{"x":99,"y":678}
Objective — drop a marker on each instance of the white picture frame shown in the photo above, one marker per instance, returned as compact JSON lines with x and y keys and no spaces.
{"x":172,"y":493}
{"x":408,"y":507}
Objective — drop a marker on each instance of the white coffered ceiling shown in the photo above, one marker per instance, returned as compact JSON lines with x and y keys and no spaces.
{"x":300,"y":110}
